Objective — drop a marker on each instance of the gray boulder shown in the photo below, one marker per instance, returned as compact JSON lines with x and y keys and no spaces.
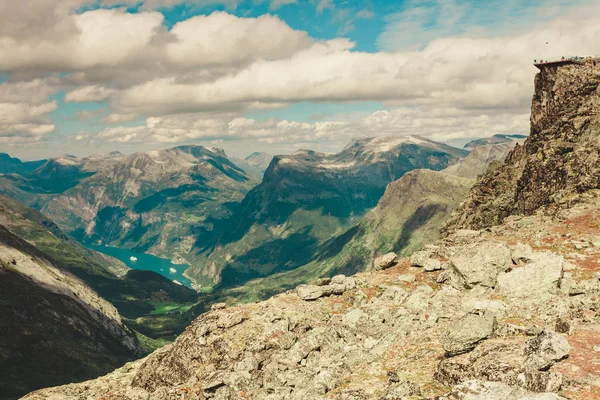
{"x":464,"y":335}
{"x":545,"y":349}
{"x":533,"y":280}
{"x":385,"y":261}
{"x":402,"y":390}
{"x":480,"y":264}
{"x":309,"y":292}
{"x":541,"y":353}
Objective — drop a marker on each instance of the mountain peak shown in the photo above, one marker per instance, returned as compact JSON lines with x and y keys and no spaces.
{"x":495,"y":139}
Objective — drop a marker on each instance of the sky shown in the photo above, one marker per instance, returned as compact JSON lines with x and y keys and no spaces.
{"x":88,"y":76}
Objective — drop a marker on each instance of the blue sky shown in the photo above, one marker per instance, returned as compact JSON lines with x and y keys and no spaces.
{"x":273,"y":75}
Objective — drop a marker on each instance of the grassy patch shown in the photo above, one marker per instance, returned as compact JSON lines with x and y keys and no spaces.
{"x":150,"y":344}
{"x":168,"y":307}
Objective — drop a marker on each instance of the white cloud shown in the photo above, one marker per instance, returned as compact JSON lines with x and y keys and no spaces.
{"x":365,"y":14}
{"x":118,"y":118}
{"x":223,"y":39}
{"x":200,"y":78}
{"x":24,"y":111}
{"x":24,"y":123}
{"x":419,"y":22}
{"x":323,"y":5}
{"x":275,"y":4}
{"x":88,"y":94}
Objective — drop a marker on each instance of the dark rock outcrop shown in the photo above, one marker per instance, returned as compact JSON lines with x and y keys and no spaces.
{"x":560,"y":159}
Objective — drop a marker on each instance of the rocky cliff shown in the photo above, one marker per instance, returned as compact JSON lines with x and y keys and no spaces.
{"x":559,"y":159}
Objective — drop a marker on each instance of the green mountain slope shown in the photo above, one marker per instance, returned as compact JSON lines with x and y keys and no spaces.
{"x":409,"y":214}
{"x":55,"y":328}
{"x":136,"y":294}
{"x":305,"y":199}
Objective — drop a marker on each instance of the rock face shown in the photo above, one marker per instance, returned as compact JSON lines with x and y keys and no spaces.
{"x":559,"y":159}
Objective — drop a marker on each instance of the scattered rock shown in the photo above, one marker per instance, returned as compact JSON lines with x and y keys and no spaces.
{"x":562,"y":326}
{"x":400,"y":391}
{"x":419,"y":258}
{"x":467,"y":332}
{"x":521,"y":253}
{"x":408,"y":278}
{"x":480,"y":264}
{"x":323,"y":281}
{"x":385,"y":261}
{"x":533,"y":280}
{"x":336,"y":286}
{"x":218,"y":306}
{"x":309,"y":292}
{"x":545,"y":349}
{"x":492,"y":360}
{"x":481,"y":390}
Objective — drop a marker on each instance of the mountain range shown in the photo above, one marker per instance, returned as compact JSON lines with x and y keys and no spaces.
{"x":305,"y":199}
{"x":255,"y":164}
{"x":501,"y":304}
{"x":312,"y":215}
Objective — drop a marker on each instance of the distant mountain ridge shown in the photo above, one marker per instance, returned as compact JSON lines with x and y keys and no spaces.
{"x":160,"y":202}
{"x":10,"y":165}
{"x":307,"y":197}
{"x":495,"y":139}
{"x":410,"y":213}
{"x":255,"y":164}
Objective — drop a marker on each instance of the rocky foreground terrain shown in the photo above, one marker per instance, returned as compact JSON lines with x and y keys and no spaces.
{"x":510,"y":311}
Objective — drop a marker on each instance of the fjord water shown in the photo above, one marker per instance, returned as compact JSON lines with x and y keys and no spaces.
{"x":147,"y":262}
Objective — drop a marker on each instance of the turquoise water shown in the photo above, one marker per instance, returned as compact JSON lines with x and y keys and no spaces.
{"x":147,"y":262}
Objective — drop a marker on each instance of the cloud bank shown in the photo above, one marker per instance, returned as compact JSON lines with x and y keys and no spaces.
{"x":203,"y":77}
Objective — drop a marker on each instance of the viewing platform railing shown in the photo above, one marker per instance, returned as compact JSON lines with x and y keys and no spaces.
{"x":552,"y":62}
